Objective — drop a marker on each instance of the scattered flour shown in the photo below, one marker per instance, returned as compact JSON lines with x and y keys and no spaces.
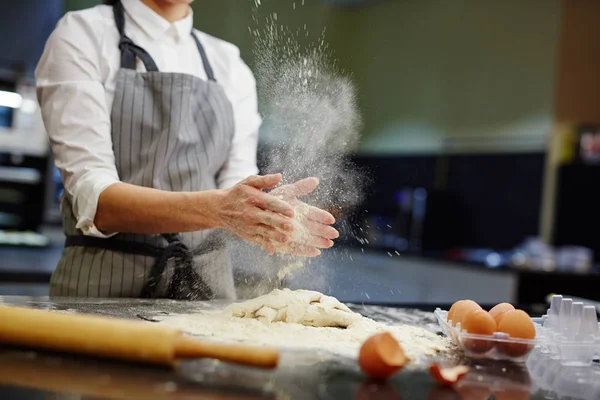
{"x":289,"y":269}
{"x":260,"y":321}
{"x":311,"y":126}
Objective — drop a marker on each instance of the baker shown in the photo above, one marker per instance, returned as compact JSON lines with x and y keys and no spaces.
{"x":154,"y":128}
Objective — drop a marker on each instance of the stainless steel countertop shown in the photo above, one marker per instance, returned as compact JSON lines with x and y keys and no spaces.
{"x":301,"y":375}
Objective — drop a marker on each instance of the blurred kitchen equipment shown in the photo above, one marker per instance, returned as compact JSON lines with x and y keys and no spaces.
{"x":535,"y":254}
{"x":589,"y":144}
{"x":574,"y":259}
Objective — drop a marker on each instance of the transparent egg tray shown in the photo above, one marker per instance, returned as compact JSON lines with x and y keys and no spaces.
{"x":569,"y":334}
{"x":560,"y":380}
{"x":499,"y":346}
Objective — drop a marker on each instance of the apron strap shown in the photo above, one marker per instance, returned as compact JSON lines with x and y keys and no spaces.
{"x":207,"y":67}
{"x":129,"y":50}
{"x":186,"y":283}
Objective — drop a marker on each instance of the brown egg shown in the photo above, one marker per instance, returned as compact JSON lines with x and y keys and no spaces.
{"x":462,"y":310}
{"x":499,"y":310}
{"x":517,"y":324}
{"x":381,"y":356}
{"x":479,"y":322}
{"x":453,"y":309}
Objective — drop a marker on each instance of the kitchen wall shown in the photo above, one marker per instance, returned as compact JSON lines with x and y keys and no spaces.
{"x":433,"y":75}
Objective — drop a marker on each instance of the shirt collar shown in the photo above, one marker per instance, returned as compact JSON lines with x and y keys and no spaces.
{"x":153,"y":24}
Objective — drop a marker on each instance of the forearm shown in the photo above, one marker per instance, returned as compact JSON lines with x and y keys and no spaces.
{"x":134,"y":209}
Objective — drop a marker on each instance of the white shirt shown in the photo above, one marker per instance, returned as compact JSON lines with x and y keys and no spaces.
{"x":75,"y":81}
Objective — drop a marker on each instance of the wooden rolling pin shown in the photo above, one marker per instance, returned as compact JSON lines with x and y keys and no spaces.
{"x":105,"y":337}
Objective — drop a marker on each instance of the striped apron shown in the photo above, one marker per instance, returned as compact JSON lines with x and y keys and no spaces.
{"x":173,"y":132}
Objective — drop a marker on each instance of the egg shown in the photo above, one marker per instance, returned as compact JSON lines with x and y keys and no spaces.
{"x":479,"y":322}
{"x":381,"y":356}
{"x":518,"y":325}
{"x":462,"y":310}
{"x":453,"y":309}
{"x":499,"y":310}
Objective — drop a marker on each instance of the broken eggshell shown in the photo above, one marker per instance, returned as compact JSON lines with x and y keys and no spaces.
{"x":448,"y":376}
{"x":381,"y":356}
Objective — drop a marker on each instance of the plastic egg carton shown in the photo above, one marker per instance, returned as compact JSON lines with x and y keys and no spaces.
{"x":569,"y":333}
{"x":559,"y":380}
{"x":499,"y":346}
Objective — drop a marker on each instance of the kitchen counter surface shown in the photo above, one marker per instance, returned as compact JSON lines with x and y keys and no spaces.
{"x":301,"y":374}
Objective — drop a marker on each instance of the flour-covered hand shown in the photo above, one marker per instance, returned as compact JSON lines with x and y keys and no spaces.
{"x":312,"y":225}
{"x":258,"y":217}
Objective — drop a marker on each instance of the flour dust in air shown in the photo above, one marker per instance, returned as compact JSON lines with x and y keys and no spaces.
{"x":311,"y":124}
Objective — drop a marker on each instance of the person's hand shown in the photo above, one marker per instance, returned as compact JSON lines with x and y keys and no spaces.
{"x":256,"y":216}
{"x":312,"y":230}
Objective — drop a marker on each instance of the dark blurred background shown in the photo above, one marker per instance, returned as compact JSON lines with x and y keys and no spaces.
{"x":481,"y":135}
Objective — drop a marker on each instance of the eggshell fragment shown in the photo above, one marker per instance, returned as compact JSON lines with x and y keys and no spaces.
{"x":499,"y":310}
{"x":447,"y":376}
{"x":381,"y":356}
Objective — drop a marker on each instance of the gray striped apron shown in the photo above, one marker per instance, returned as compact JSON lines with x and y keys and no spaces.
{"x":173,"y":132}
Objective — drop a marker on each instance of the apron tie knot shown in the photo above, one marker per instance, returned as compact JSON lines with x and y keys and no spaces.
{"x":185,"y":283}
{"x":124,"y":43}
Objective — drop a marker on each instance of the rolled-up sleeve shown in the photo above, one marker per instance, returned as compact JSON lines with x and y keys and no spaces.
{"x":242,"y":157}
{"x":76,"y":116}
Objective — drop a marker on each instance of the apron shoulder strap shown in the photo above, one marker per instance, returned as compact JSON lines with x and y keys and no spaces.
{"x":129,"y":50}
{"x":207,"y":67}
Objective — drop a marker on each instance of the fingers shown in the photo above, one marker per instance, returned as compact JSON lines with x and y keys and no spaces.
{"x":304,"y":251}
{"x":273,"y":235}
{"x":262,"y":242}
{"x":301,"y":188}
{"x":273,"y":220}
{"x":305,"y":186}
{"x":322,"y":216}
{"x":269,"y":202}
{"x":322,"y":230}
{"x":316,"y":241}
{"x":263,"y":182}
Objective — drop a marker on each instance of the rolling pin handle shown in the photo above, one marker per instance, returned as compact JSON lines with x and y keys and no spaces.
{"x":188,"y":347}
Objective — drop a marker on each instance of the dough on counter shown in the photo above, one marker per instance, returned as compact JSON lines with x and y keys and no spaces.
{"x":304,"y":307}
{"x":302,"y":320}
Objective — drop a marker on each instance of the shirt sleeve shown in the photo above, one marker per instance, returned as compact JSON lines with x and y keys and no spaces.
{"x":76,"y":116}
{"x":242,"y":157}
